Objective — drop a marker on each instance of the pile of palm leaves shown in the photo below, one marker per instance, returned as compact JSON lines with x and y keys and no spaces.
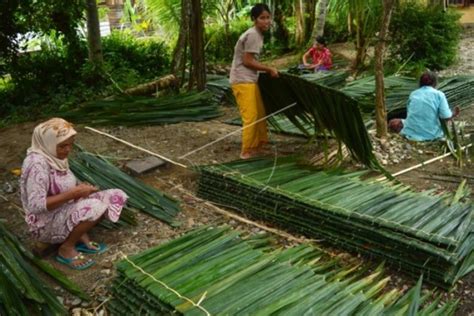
{"x":103,"y":174}
{"x":22,"y":291}
{"x":459,"y":91}
{"x":397,"y":90}
{"x":324,"y":108}
{"x":136,"y":110}
{"x":214,"y":271}
{"x":418,"y":232}
{"x":333,"y":79}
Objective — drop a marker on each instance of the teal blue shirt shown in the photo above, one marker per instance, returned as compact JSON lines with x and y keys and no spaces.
{"x":426,"y":106}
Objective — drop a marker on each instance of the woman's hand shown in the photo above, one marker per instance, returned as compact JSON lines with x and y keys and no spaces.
{"x":83,"y":190}
{"x":273,"y":72}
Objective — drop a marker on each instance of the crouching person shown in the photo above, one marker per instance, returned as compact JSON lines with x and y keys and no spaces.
{"x":426,"y":106}
{"x":59,"y":209}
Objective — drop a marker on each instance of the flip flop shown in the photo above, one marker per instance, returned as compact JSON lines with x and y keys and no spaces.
{"x":100,"y":248}
{"x":70,"y":262}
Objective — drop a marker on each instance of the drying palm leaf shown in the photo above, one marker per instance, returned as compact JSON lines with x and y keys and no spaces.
{"x":130,"y":111}
{"x":100,"y":172}
{"x":419,"y":232}
{"x":323,"y":108}
{"x":22,"y":291}
{"x":214,"y":271}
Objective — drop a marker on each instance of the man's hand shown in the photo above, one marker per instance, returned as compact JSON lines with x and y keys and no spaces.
{"x":457,"y":110}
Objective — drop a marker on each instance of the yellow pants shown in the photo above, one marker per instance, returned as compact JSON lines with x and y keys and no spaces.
{"x":251,"y":109}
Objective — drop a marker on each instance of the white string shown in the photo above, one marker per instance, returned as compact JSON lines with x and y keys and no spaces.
{"x":124,"y":256}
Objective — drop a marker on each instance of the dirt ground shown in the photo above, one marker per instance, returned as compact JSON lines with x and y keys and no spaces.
{"x":172,"y":141}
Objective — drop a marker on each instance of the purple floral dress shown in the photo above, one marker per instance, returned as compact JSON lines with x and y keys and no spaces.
{"x":39,"y":180}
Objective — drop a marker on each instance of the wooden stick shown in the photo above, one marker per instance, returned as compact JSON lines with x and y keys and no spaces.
{"x":424,"y":163}
{"x":136,"y":147}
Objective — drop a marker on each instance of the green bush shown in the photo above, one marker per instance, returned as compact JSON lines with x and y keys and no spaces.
{"x":219,"y":46}
{"x":54,"y":77}
{"x":336,"y":31}
{"x":150,"y":58}
{"x":424,"y":35}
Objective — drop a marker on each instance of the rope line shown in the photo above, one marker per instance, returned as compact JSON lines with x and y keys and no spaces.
{"x":124,"y":256}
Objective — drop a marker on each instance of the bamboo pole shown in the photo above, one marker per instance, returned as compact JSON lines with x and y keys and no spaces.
{"x":136,"y":147}
{"x":424,"y":163}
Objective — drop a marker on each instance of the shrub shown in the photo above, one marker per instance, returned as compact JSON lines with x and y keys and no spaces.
{"x":219,"y":46}
{"x":54,"y":77}
{"x":148,"y":57}
{"x":424,"y":35}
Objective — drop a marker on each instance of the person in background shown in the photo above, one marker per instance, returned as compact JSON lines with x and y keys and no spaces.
{"x":59,"y":209}
{"x":426,"y":106}
{"x":244,"y":77}
{"x":320,"y":55}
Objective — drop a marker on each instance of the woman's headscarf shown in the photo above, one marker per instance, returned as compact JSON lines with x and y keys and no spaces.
{"x":47,"y":136}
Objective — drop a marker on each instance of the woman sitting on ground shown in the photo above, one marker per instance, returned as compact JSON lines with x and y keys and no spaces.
{"x":59,"y":209}
{"x":426,"y":106}
{"x":321,"y":59}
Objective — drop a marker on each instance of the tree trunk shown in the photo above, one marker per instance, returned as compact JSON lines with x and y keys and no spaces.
{"x":149,"y":88}
{"x":299,"y":15}
{"x":115,"y":13}
{"x":321,"y":11}
{"x":467,"y":3}
{"x":380,"y":110}
{"x":178,"y":64}
{"x":310,"y":11}
{"x":198,"y":73}
{"x":93,"y":33}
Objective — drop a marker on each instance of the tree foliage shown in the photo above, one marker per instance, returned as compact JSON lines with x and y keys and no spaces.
{"x":425,"y":35}
{"x":40,"y":17}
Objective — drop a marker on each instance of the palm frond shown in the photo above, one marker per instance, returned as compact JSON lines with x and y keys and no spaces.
{"x":420,"y":232}
{"x":132,"y":111}
{"x":215,"y":271}
{"x":105,"y":175}
{"x":22,"y":291}
{"x":323,"y":108}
